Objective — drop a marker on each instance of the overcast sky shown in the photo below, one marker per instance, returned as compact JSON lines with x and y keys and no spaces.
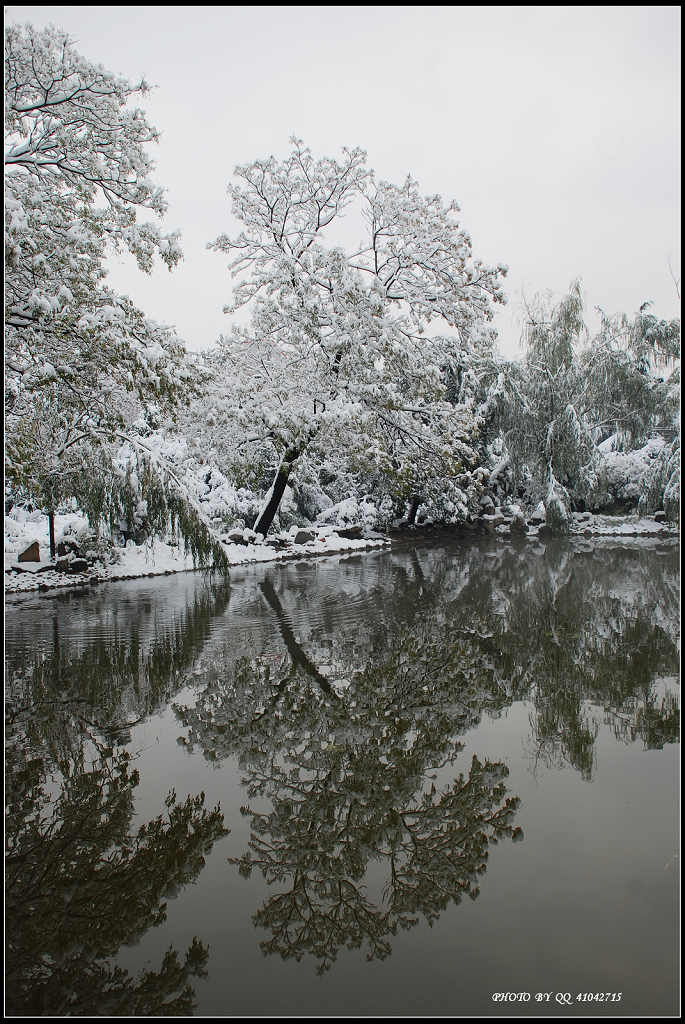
{"x":555,"y":128}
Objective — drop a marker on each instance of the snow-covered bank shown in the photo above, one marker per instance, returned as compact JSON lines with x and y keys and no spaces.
{"x":587,"y":524}
{"x":620,"y":526}
{"x":155,"y":557}
{"x":159,"y":558}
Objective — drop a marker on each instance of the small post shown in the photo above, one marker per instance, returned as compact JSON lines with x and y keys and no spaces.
{"x":51,"y":528}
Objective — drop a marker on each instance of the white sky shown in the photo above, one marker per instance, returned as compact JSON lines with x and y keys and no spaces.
{"x":555,"y":128}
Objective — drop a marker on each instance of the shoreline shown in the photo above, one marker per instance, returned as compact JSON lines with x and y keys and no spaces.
{"x":157,"y":559}
{"x":44,"y":578}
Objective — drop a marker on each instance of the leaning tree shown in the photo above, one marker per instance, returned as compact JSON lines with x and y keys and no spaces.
{"x":342,"y":349}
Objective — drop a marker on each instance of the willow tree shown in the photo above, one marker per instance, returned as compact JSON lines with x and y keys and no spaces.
{"x":571,"y":391}
{"x":633,"y":375}
{"x":343,"y":346}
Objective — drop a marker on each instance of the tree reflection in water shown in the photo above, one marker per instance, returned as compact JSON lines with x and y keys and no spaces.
{"x":343,"y":763}
{"x":80,"y":880}
{"x":80,"y":883}
{"x":366,"y":816}
{"x":349,"y":780}
{"x":321,"y":835}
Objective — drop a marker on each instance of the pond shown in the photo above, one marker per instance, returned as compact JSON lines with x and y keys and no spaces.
{"x":402,"y":783}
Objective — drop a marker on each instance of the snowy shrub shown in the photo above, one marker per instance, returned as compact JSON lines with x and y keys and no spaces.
{"x":94,"y":548}
{"x":345,"y":513}
{"x":449,"y":506}
{"x":353,"y":512}
{"x":13,"y":530}
{"x":385,"y":514}
{"x":631,"y":475}
{"x":671,"y":500}
{"x":310,"y":500}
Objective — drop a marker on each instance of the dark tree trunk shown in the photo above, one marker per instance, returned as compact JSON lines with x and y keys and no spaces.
{"x":51,"y":528}
{"x":413,"y":509}
{"x":295,"y":649}
{"x":265,"y":520}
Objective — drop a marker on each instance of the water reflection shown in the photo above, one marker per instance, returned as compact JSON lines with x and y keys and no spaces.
{"x":346,"y":692}
{"x":80,"y":879}
{"x":344,"y":754}
{"x":108,"y":683}
{"x":80,"y":883}
{"x":348,"y":780}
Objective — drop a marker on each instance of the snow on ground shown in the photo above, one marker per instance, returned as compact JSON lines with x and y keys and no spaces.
{"x":629,"y":473}
{"x":157,"y":558}
{"x":619,"y":526}
{"x":154,"y":558}
{"x":592,"y":525}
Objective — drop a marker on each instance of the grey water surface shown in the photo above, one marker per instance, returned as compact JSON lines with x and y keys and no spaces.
{"x":403,"y":783}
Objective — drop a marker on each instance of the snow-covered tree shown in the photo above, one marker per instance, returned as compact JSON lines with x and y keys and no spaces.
{"x":548,"y":442}
{"x":633,"y":373}
{"x":341,"y":350}
{"x":570,"y":392}
{"x":77,"y":175}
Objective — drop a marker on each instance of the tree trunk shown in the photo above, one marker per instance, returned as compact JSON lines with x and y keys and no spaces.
{"x":295,"y":649}
{"x":413,"y":509}
{"x":266,"y":518}
{"x":51,"y":528}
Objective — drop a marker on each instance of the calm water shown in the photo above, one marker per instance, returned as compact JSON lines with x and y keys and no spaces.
{"x":393,"y":784}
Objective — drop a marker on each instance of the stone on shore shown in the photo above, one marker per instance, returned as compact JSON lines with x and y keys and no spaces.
{"x":31,"y":554}
{"x":349,"y":532}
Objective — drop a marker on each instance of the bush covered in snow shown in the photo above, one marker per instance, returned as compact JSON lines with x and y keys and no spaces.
{"x":647,"y":479}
